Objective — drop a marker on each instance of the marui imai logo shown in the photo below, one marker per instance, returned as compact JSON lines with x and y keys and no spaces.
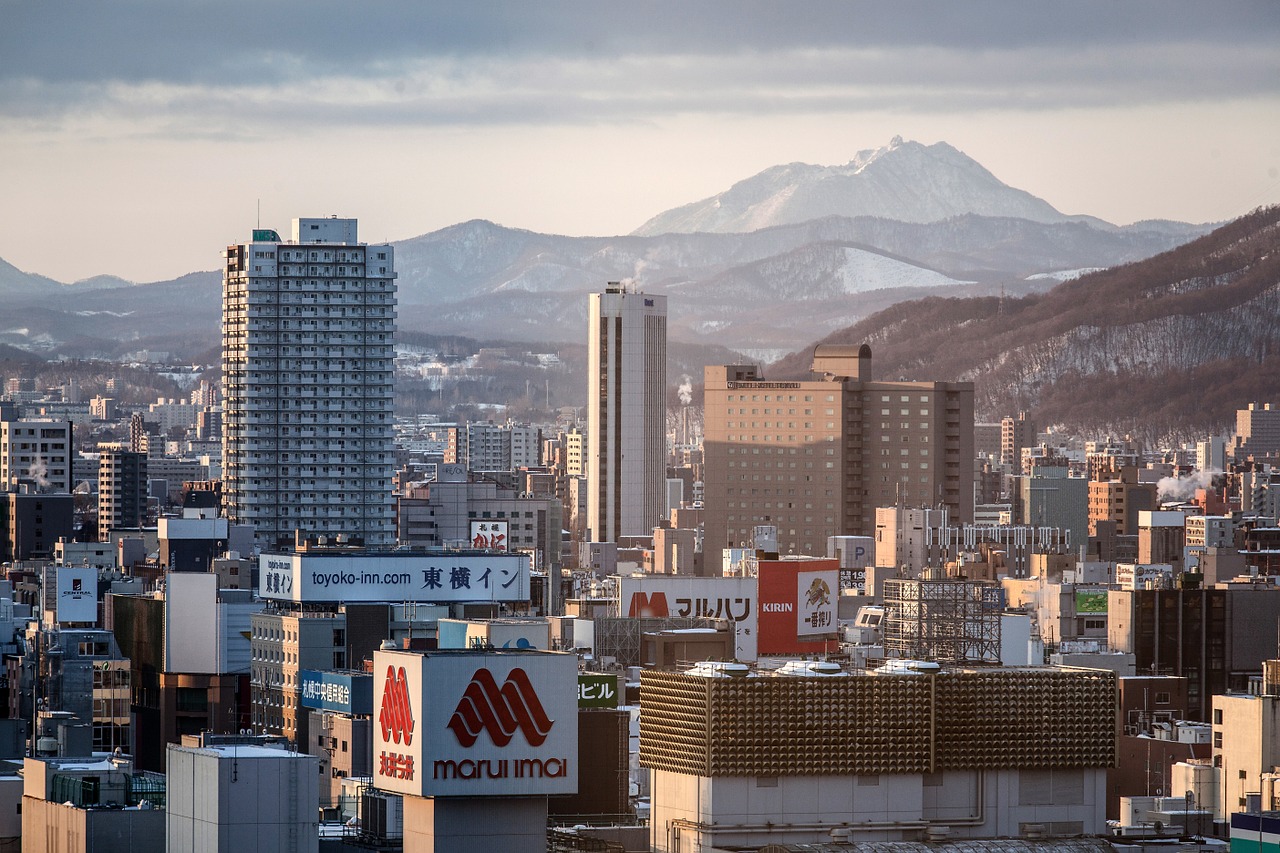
{"x":396,"y":719}
{"x":502,"y":711}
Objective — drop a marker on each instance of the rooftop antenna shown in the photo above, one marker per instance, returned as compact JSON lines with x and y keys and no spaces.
{"x":259,"y":225}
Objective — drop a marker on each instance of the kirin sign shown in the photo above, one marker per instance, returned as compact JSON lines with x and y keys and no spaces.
{"x":494,"y":724}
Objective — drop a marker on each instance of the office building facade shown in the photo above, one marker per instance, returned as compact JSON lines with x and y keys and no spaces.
{"x":626,"y":412}
{"x":307,"y":359}
{"x":816,"y":457}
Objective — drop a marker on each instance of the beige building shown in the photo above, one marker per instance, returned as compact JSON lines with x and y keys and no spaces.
{"x":1246,"y":744}
{"x":816,"y":457}
{"x":1120,"y":501}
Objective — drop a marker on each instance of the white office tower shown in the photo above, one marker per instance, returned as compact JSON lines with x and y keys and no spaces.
{"x":626,"y":413}
{"x":308,"y":331}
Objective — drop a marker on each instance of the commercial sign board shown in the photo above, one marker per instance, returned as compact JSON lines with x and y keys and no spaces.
{"x":799,"y":600}
{"x":489,"y":535}
{"x":855,"y":554}
{"x":77,"y":594}
{"x":597,"y":690}
{"x":341,"y":692}
{"x":1143,"y":575}
{"x":733,"y":599}
{"x":443,"y":577}
{"x":1091,"y":601}
{"x":471,"y":724}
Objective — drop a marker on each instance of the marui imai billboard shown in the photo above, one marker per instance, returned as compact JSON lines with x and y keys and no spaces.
{"x":711,"y":598}
{"x":799,"y":600}
{"x":467,"y":724}
{"x":448,"y":577}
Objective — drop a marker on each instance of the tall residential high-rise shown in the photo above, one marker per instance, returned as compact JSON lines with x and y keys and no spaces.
{"x":1015,"y":434}
{"x":308,"y":332}
{"x":122,"y":489}
{"x":626,"y":412}
{"x":815,"y":458}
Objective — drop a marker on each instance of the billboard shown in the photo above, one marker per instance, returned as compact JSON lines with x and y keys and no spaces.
{"x":855,"y":554}
{"x":712,"y":598}
{"x":798,"y":605}
{"x":597,"y":690}
{"x":77,"y":594}
{"x":1144,"y":575}
{"x":341,"y":692}
{"x":443,"y":577}
{"x":473,"y":724}
{"x":1091,"y":601}
{"x":489,"y":535}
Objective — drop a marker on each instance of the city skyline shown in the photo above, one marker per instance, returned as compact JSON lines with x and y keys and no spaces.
{"x":120,"y":121}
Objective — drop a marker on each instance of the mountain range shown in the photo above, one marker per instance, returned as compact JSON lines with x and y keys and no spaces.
{"x":828,"y":246}
{"x":1169,"y":346}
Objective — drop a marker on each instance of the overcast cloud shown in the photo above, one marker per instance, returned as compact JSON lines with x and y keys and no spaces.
{"x":145,"y":87}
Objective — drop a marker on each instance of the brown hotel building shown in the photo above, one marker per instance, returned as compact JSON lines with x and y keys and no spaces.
{"x":816,"y":457}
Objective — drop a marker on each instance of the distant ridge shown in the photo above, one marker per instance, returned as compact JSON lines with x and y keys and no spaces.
{"x":1171,"y":345}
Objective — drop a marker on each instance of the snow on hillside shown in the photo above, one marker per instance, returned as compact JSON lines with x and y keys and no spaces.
{"x":1062,"y":275}
{"x":865,"y":271}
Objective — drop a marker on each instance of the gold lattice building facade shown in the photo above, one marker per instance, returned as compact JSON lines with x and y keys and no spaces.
{"x":980,"y":753}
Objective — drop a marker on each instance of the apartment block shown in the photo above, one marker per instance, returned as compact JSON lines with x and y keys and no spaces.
{"x":308,"y":334}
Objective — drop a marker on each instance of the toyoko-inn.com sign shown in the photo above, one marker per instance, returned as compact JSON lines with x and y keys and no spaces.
{"x":446,"y":577}
{"x":494,"y":724}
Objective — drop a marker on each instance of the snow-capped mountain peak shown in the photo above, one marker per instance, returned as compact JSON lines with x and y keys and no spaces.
{"x":905,"y":180}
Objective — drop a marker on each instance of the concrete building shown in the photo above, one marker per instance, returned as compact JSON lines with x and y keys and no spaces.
{"x":443,"y":513}
{"x":36,"y":454}
{"x":191,"y":543}
{"x":74,"y":805}
{"x":190,"y":660}
{"x":82,"y":679}
{"x":1120,"y":500}
{"x":1210,"y":636}
{"x":307,"y":366}
{"x":910,"y":539}
{"x":1204,"y":532}
{"x":1257,"y":432}
{"x":122,"y":489}
{"x":1016,"y":434}
{"x":1161,"y":538}
{"x":1051,"y":498}
{"x":973,"y":758}
{"x":816,"y":457}
{"x":1246,"y":744}
{"x":232,"y":797}
{"x":31,"y":524}
{"x":626,"y":412}
{"x":1211,"y":454}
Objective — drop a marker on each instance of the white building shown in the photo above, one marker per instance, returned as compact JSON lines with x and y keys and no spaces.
{"x":308,"y":348}
{"x":626,"y":412}
{"x":236,"y":797}
{"x":37,"y":453}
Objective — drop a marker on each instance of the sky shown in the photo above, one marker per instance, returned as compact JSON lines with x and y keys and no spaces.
{"x":140,"y":137}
